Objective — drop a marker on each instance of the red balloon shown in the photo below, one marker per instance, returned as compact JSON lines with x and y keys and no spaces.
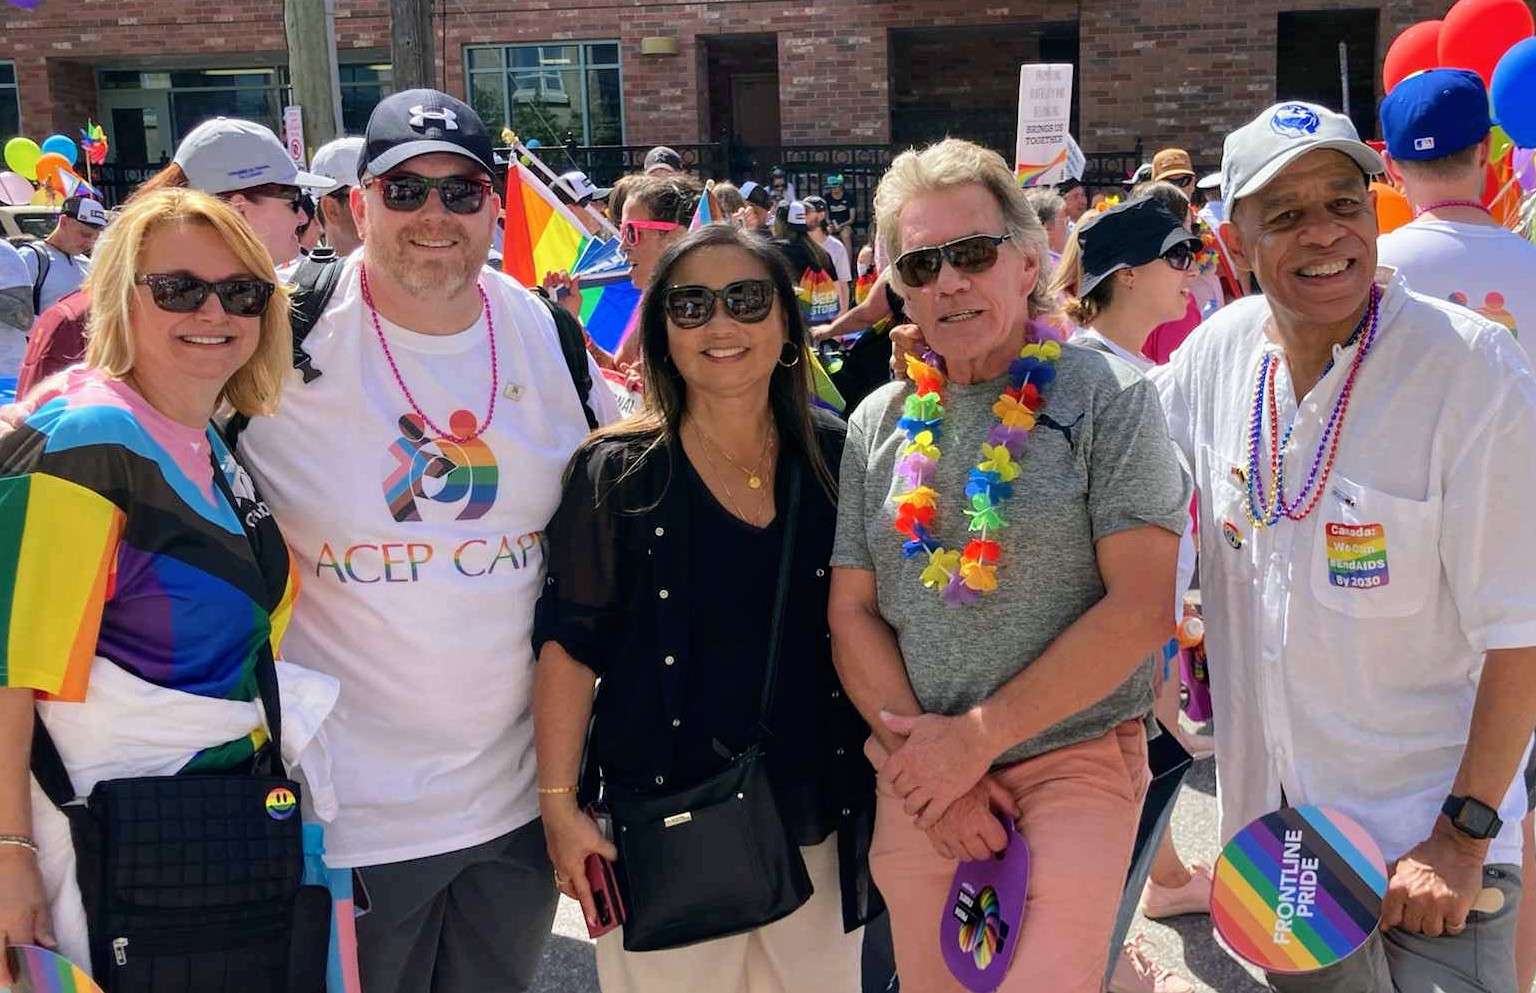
{"x":1416,"y":49}
{"x":1477,"y":33}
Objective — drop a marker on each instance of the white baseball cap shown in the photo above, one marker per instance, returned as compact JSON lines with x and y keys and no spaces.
{"x":1257,"y":152}
{"x":795,"y":214}
{"x":338,"y":162}
{"x":1210,"y":181}
{"x":226,"y":154}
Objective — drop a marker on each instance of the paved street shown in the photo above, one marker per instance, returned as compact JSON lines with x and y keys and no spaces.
{"x":1185,"y":943}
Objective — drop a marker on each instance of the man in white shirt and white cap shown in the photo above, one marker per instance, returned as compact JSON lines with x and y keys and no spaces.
{"x":1374,"y":608}
{"x":337,"y":161}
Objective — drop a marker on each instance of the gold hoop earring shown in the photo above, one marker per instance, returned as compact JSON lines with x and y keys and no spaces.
{"x":789,"y":365}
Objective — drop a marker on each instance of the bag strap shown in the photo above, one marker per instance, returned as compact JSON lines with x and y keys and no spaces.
{"x":573,"y":348}
{"x":265,"y":669}
{"x":781,"y":595}
{"x":39,"y":251}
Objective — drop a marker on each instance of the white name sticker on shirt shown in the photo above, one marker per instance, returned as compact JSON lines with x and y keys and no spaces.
{"x":1357,"y":556}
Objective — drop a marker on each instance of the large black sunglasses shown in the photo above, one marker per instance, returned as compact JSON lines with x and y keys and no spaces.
{"x":407,"y":191}
{"x":746,"y":300}
{"x":179,"y":293}
{"x":1180,"y":256}
{"x":972,"y":254}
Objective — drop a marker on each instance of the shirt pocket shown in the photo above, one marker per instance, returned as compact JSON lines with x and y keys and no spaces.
{"x":1376,"y":555}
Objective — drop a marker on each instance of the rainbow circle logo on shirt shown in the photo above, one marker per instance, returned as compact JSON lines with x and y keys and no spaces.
{"x":281,"y":803}
{"x":1298,"y":890}
{"x":1230,"y":532}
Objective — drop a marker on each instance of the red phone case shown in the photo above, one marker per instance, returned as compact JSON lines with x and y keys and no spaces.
{"x":605,"y":895}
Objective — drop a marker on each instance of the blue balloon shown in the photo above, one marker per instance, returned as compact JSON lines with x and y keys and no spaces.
{"x":534,"y":143}
{"x":63,"y":145}
{"x":1514,"y":93}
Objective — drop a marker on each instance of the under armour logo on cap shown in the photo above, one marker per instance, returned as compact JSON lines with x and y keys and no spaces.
{"x":444,"y":116}
{"x":1294,"y":120}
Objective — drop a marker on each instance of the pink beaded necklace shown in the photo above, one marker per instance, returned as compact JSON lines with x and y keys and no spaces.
{"x":490,"y":326}
{"x":1441,"y":205}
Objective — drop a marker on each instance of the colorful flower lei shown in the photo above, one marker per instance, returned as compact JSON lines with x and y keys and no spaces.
{"x":962,"y":576}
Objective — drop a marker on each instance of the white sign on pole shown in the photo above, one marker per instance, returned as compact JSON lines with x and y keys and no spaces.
{"x":293,"y":130}
{"x":1045,"y":112}
{"x":1077,"y":162}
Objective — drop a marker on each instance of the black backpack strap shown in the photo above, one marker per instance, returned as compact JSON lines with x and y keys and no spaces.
{"x":48,"y":767}
{"x":573,"y":346}
{"x":313,"y":285}
{"x":39,"y":251}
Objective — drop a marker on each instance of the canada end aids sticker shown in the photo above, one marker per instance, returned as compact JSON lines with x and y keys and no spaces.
{"x":1298,"y":890}
{"x":281,"y":803}
{"x":1357,"y":556}
{"x":979,"y":931}
{"x":37,"y":970}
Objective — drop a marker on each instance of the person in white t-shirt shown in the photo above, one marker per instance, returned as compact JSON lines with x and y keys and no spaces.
{"x":413,"y":479}
{"x":59,"y":263}
{"x":1437,"y":127}
{"x":16,"y":314}
{"x":1375,"y":610}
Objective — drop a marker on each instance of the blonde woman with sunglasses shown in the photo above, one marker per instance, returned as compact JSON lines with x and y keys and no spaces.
{"x":145,"y":577}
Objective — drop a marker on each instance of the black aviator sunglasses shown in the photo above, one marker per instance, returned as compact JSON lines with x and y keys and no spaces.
{"x":971,"y":255}
{"x":180,"y":293}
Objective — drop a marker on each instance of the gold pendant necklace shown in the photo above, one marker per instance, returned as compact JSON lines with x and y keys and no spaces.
{"x":754,"y":474}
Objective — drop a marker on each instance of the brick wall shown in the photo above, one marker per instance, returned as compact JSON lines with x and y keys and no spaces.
{"x":1182,"y":73}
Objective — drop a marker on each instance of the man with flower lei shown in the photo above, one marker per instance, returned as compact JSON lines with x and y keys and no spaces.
{"x":1008,"y":529}
{"x":1366,"y":459}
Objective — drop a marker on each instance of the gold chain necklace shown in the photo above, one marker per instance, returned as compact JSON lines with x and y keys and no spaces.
{"x":754,"y":474}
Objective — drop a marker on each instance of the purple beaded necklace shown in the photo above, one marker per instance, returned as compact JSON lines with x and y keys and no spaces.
{"x":490,"y":330}
{"x":1266,"y":510}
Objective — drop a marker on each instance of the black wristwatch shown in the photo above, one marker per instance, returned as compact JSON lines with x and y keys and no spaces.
{"x":1472,"y":817}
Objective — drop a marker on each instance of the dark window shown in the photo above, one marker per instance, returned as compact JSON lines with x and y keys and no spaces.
{"x":10,"y":100}
{"x":362,"y":87}
{"x":1309,"y":67}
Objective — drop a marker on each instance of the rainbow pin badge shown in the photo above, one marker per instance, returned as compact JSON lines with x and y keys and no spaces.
{"x":37,"y":970}
{"x":979,"y":931}
{"x":1298,"y":890}
{"x":281,"y":803}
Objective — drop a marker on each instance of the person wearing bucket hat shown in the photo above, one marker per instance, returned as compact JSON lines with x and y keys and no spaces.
{"x":1366,"y":463}
{"x":1173,"y":165}
{"x":412,"y":476}
{"x":1438,"y":135}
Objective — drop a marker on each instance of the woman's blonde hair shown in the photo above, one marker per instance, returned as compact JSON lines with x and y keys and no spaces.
{"x":953,"y":163}
{"x":1065,"y":283}
{"x":255,"y":386}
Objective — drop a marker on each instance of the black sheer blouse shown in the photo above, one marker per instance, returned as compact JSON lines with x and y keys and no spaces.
{"x":667,"y":597}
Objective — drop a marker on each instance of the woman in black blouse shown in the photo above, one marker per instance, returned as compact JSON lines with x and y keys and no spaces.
{"x":662,"y":576}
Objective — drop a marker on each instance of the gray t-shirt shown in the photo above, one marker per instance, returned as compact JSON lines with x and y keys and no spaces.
{"x":1099,"y":462}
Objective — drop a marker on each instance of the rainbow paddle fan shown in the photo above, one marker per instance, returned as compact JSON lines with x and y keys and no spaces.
{"x":1298,"y":890}
{"x":979,"y":931}
{"x":37,"y":970}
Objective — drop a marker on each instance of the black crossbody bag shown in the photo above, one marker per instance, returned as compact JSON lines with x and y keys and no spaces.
{"x":714,"y":859}
{"x":193,"y":884}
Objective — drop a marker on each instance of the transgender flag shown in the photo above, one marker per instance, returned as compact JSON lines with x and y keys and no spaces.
{"x":709,"y":211}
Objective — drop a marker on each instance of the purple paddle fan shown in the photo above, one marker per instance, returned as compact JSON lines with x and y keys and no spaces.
{"x":982,"y":916}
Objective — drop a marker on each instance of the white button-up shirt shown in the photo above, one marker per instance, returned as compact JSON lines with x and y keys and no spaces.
{"x":1346,"y":648}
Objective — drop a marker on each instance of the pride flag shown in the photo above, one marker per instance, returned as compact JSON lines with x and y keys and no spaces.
{"x":541,"y":235}
{"x":709,"y":210}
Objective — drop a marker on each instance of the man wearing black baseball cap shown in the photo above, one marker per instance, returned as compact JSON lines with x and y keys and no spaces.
{"x":412,"y":479}
{"x":1366,"y":461}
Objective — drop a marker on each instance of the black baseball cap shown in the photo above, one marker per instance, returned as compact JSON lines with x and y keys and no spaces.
{"x":661,"y":155}
{"x":816,"y":203}
{"x":1129,"y":235}
{"x":421,"y":122}
{"x":754,"y":193}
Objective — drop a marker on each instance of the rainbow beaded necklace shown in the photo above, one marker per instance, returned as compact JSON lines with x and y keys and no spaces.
{"x":963,"y":576}
{"x":1266,"y":509}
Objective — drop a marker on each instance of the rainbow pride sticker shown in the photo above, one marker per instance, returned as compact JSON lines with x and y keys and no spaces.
{"x":37,"y":970}
{"x":281,"y":803}
{"x":1298,"y":890}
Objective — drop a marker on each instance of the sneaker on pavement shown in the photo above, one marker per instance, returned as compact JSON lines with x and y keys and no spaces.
{"x":1135,"y":972}
{"x":1194,"y":897}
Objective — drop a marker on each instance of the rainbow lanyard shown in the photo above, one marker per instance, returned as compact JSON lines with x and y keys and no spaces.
{"x":1266,"y":509}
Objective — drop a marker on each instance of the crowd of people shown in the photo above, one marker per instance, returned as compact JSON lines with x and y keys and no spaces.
{"x":302,"y":491}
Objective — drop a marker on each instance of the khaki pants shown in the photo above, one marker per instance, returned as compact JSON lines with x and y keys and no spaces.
{"x":1079,"y":806}
{"x":805,"y":952}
